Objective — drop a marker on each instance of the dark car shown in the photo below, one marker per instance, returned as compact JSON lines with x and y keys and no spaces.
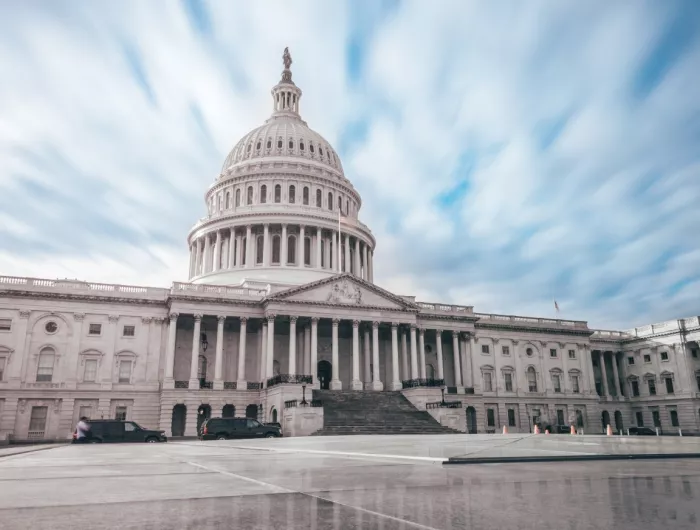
{"x":115,"y":431}
{"x":226,"y":428}
{"x":642,"y":431}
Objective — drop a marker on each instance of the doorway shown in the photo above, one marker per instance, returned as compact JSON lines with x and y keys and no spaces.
{"x":251,"y":411}
{"x":179,"y":417}
{"x":324,"y":373}
{"x":229,"y":411}
{"x":605,"y":418}
{"x":203,"y":414}
{"x":618,"y":422}
{"x":471,"y":420}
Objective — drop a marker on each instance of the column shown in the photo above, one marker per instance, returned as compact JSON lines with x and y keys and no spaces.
{"x":404,"y":356}
{"x":365,"y":270}
{"x":74,"y":357}
{"x":327,"y":253}
{"x":395,"y":379}
{"x":468,"y":367}
{"x":421,"y":352}
{"x":588,"y":372}
{"x":308,"y":368}
{"x":219,"y":359}
{"x":376,"y":383}
{"x":242,"y":336}
{"x":170,"y":352}
{"x":270,"y":346}
{"x":358,"y":269}
{"x":217,"y":252}
{"x":604,"y":374}
{"x":335,"y":380}
{"x":198,"y":259}
{"x":318,"y":248}
{"x":356,"y":383}
{"x":438,"y":348}
{"x":300,"y":247}
{"x":616,"y":374}
{"x":283,"y":247}
{"x":248,"y":247}
{"x":455,"y":355}
{"x":193,"y":259}
{"x":194,"y":360}
{"x":314,"y":350}
{"x":371,"y":266}
{"x":292,"y":345}
{"x":347,"y":253}
{"x":205,"y":266}
{"x":266,"y":245}
{"x":263,"y":353}
{"x":368,"y":360}
{"x":414,"y":353}
{"x":336,"y":246}
{"x":231,"y":248}
{"x":239,"y":250}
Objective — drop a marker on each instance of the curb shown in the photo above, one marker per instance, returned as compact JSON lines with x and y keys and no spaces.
{"x":574,"y":458}
{"x":53,"y":446}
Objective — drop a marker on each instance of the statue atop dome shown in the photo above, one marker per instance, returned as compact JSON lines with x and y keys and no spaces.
{"x":286,"y":58}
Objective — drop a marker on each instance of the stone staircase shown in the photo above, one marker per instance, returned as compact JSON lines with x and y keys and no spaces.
{"x":366,"y":412}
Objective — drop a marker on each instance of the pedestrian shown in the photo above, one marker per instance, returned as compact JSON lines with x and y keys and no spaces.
{"x":82,"y":431}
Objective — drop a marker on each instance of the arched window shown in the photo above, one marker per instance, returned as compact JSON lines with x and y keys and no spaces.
{"x":319,"y":198}
{"x":228,"y":200}
{"x":305,"y":196}
{"x":44,"y":369}
{"x":259,"y":249}
{"x":279,"y":143}
{"x":291,"y":249}
{"x":258,"y":146}
{"x":307,"y":251}
{"x":292,"y":194}
{"x":340,"y":204}
{"x":347,"y":207}
{"x":263,"y":194}
{"x":330,"y":200}
{"x":278,"y":193}
{"x":291,"y":143}
{"x":249,"y":146}
{"x":301,"y":145}
{"x":269,"y":143}
{"x":244,"y":248}
{"x":276,"y":249}
{"x":250,"y":195}
{"x":238,"y":197}
{"x":311,"y":147}
{"x":531,"y":379}
{"x":320,"y":151}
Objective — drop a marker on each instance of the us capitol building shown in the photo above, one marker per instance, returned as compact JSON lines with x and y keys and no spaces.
{"x":281,"y":300}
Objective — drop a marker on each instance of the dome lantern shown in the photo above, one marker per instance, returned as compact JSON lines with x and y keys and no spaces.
{"x":285,"y":94}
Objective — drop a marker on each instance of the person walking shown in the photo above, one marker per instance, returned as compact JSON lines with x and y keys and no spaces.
{"x":82,"y":431}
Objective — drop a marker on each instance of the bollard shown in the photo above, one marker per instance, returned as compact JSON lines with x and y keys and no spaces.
{"x":608,"y":430}
{"x":573,"y":430}
{"x":546,"y":431}
{"x":680,"y":433}
{"x":536,"y":430}
{"x":657,"y":431}
{"x":505,"y":429}
{"x":628,"y":431}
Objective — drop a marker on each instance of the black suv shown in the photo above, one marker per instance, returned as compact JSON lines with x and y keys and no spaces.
{"x":115,"y":431}
{"x":225,"y":428}
{"x":642,"y":431}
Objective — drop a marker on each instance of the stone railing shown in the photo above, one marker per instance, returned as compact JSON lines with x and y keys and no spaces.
{"x":182,"y":384}
{"x":444,"y":405}
{"x":77,"y":286}
{"x":294,"y":403}
{"x":530,"y":321}
{"x":292,"y":379}
{"x":230,"y":385}
{"x":253,"y":385}
{"x":216,"y":291}
{"x":414,"y":383}
{"x":603,"y":334}
{"x":445,"y":308}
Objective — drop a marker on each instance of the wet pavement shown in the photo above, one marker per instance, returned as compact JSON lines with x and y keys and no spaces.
{"x":344,"y":482}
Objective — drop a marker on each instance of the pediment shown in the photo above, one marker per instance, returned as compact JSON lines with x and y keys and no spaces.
{"x":343,"y":290}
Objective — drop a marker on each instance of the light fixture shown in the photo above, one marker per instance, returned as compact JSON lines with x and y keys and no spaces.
{"x":203,"y":338}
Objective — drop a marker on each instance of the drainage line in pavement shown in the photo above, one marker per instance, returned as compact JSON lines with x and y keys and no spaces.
{"x":572,"y":458}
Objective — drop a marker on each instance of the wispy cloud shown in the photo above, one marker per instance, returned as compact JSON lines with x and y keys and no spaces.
{"x":507,"y":153}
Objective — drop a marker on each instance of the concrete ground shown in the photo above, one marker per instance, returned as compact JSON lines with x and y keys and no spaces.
{"x":365,"y":482}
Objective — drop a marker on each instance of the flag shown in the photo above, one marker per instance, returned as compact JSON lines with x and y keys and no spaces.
{"x":342,"y":219}
{"x":556,"y":306}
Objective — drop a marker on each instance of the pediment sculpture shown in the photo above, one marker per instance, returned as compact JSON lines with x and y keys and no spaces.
{"x":345,"y":293}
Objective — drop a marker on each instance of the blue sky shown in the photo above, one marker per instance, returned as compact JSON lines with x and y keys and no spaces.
{"x":508,"y":153}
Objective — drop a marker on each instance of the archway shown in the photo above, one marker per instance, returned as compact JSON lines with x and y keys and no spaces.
{"x":471,"y":420}
{"x":273,"y":415}
{"x":324,"y":373}
{"x":178,"y":422}
{"x":203,"y":414}
{"x":251,"y":411}
{"x":229,"y":411}
{"x":605,"y":418}
{"x":618,"y":421}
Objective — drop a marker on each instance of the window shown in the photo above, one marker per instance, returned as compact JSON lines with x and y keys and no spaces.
{"x":263,"y":194}
{"x":249,"y":199}
{"x":560,"y":417}
{"x":44,"y":372}
{"x":120,"y":414}
{"x":647,"y":358}
{"x":669,"y":385}
{"x":347,"y":206}
{"x":95,"y":329}
{"x":311,"y":147}
{"x":5,"y":324}
{"x":129,"y":331}
{"x":694,"y":353}
{"x":556,"y":382}
{"x":276,"y":249}
{"x":228,"y":200}
{"x":305,"y":196}
{"x":664,"y":356}
{"x":505,"y":350}
{"x":2,"y":367}
{"x":269,"y":143}
{"x":656,"y":418}
{"x":291,"y":143}
{"x":674,"y":418}
{"x":575,"y":384}
{"x":278,"y":193}
{"x":652,"y":387}
{"x":125,"y":372}
{"x":531,"y":379}
{"x":572,"y":354}
{"x":340,"y":204}
{"x":301,"y":145}
{"x":85,"y":412}
{"x":330,"y":200}
{"x":488,"y":383}
{"x":319,"y":198}
{"x":635,"y":388}
{"x":291,"y":250}
{"x":579,"y":418}
{"x":244,"y":250}
{"x":129,"y":427}
{"x":279,"y":143}
{"x":485,"y":348}
{"x":258,"y":145}
{"x":202,"y":368}
{"x":307,"y":251}
{"x":320,"y":150}
{"x":238,"y":197}
{"x":37,"y":422}
{"x":90,"y":373}
{"x":490,"y":418}
{"x":630,"y":360}
{"x":553,"y":353}
{"x":511,"y":417}
{"x":528,"y":352}
{"x":640,"y":418}
{"x":292,"y":194}
{"x":508,"y":377}
{"x":51,"y":327}
{"x":259,"y":249}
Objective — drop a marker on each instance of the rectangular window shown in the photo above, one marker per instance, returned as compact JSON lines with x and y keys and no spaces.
{"x":647,"y":358}
{"x":560,"y":417}
{"x":90,"y":373}
{"x":656,"y":418}
{"x":95,"y":329}
{"x":120,"y":414}
{"x":674,"y":418}
{"x":505,"y":350}
{"x":37,"y":422}
{"x":669,"y":385}
{"x":635,"y":388}
{"x":509,"y":381}
{"x":511,"y":418}
{"x":490,"y":418}
{"x":640,"y":418}
{"x":125,"y":372}
{"x":5,"y":324}
{"x":129,"y":331}
{"x":556,"y":382}
{"x":44,"y":371}
{"x":488,"y":384}
{"x":552,"y":353}
{"x":652,"y":387}
{"x":85,"y":412}
{"x":574,"y":384}
{"x":2,"y":367}
{"x":572,"y":354}
{"x":485,"y":348}
{"x":630,"y":360}
{"x":664,"y":356}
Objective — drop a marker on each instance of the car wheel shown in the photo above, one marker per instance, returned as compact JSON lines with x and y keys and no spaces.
{"x":95,"y":441}
{"x":222,"y":437}
{"x":151,"y":440}
{"x":270,"y":435}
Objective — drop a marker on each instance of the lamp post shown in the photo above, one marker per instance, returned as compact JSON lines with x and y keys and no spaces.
{"x":442,"y":389}
{"x":303,"y":394}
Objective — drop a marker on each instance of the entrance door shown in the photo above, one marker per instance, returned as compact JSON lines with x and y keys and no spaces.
{"x":471,"y":420}
{"x":179,"y":417}
{"x":605,"y":418}
{"x":203,"y":414}
{"x":324,"y":373}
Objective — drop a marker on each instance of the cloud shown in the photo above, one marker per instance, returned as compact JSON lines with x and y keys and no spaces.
{"x":507,"y":154}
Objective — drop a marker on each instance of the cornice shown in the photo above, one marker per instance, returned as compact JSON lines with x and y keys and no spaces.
{"x":556,"y":331}
{"x":82,"y":297}
{"x":359,"y":308}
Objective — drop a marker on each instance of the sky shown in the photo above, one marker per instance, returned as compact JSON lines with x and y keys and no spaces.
{"x":508,"y":153}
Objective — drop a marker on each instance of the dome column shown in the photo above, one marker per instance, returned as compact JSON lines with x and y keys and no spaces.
{"x":283,"y":247}
{"x":266,"y":245}
{"x":207,"y":248}
{"x":248,"y":246}
{"x":217,"y":252}
{"x":358,"y":269}
{"x":231,"y":248}
{"x":318,"y":248}
{"x":301,"y":247}
{"x":347,"y":253}
{"x":365,"y":276}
